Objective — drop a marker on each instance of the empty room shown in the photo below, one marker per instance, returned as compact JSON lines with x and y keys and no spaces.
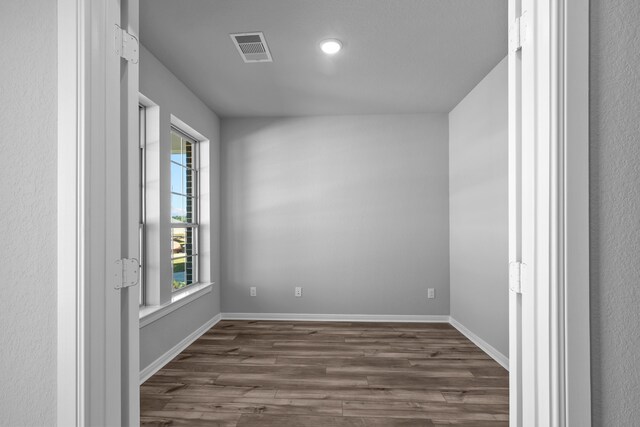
{"x":333,"y":177}
{"x":319,"y":213}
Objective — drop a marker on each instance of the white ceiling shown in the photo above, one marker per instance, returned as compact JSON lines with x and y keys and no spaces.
{"x":399,"y":56}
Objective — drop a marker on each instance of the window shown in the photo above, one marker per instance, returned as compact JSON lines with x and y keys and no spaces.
{"x":175,"y":224}
{"x":184,"y":210}
{"x":141,"y":250}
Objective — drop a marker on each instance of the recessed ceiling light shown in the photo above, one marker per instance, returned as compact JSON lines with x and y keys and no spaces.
{"x":331,"y":46}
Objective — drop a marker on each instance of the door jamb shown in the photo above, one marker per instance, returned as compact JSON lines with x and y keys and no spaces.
{"x":74,"y":129}
{"x":558,"y":329}
{"x":85,"y":387}
{"x":572,"y":98}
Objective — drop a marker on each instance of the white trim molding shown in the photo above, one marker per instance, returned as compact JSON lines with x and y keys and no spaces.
{"x":560,"y":335}
{"x":484,"y":346}
{"x":96,"y":355}
{"x":150,"y":314}
{"x":157,"y":364}
{"x":573,"y":214}
{"x":549,"y":214}
{"x":74,"y":127}
{"x":338,"y":317}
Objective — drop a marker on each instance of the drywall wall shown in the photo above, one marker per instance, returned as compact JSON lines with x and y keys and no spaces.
{"x":478,"y":209}
{"x":615,"y":211}
{"x":159,"y":337}
{"x":28,"y":204}
{"x":173,"y":100}
{"x":354,"y":209}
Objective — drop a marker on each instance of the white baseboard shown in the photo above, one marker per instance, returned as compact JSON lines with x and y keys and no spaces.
{"x":157,"y":364}
{"x":484,"y":346}
{"x":337,"y":317}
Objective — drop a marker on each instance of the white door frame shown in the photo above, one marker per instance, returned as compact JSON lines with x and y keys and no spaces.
{"x":72,"y":63}
{"x":549,"y":214}
{"x":97,"y":361}
{"x":575,"y":134}
{"x":552,"y":384}
{"x":131,"y":304}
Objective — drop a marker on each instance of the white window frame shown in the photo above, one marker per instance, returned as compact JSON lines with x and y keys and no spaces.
{"x":195,"y":225}
{"x":142,"y":110}
{"x":160,"y":300}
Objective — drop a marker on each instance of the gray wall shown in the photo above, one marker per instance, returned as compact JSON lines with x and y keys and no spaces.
{"x":615,"y":211}
{"x":160,"y":336}
{"x":352,"y":208}
{"x":478,"y":205}
{"x":28,"y":204}
{"x":172,"y":97}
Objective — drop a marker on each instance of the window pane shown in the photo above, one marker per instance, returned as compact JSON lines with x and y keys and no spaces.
{"x":179,"y":208}
{"x":178,"y":179}
{"x":179,"y":243}
{"x":183,"y":242}
{"x":177,"y":149}
{"x":183,"y":272}
{"x":142,"y":184}
{"x":183,"y":211}
{"x":179,"y":275}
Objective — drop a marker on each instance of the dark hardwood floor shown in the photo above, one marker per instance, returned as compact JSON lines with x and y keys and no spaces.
{"x":328,"y":374}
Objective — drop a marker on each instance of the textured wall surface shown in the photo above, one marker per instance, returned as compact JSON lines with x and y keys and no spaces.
{"x":174,"y":98}
{"x":352,"y":208}
{"x":615,"y":211}
{"x":478,"y":209}
{"x":28,"y":202}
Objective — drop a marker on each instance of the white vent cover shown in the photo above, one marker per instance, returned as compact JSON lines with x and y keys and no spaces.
{"x":252,"y":47}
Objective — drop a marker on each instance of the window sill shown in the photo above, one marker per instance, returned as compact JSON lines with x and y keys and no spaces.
{"x":151,"y":313}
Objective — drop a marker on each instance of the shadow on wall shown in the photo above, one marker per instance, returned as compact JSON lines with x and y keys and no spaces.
{"x":354,"y":208}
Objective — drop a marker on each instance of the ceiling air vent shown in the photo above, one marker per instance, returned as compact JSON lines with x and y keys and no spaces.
{"x":252,"y":47}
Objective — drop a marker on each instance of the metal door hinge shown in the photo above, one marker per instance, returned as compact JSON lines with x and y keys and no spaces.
{"x":126,"y":273}
{"x":126,"y":46}
{"x":516,"y":274}
{"x":518,"y":33}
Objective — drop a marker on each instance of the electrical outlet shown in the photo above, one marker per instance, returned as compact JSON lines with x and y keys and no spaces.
{"x":431,"y":293}
{"x":252,"y":291}
{"x":298,"y":292}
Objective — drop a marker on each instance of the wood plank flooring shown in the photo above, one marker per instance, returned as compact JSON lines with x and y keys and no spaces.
{"x":328,"y":374}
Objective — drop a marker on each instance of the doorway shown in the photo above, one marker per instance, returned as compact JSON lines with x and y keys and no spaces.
{"x":566,"y":161}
